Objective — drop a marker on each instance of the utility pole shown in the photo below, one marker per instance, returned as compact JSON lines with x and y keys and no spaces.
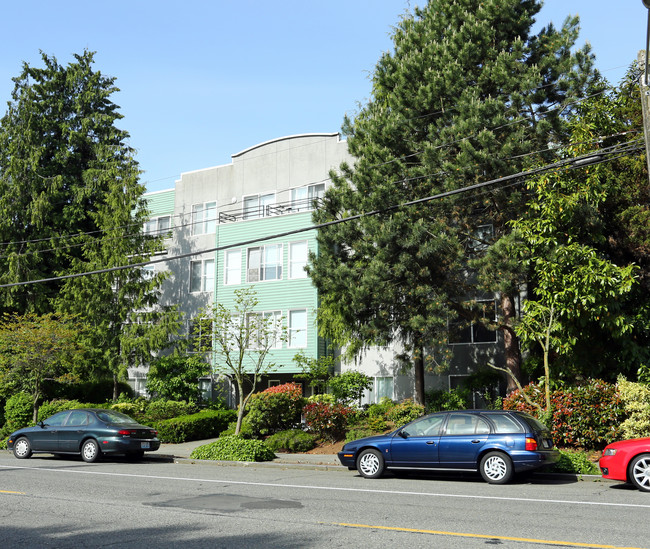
{"x":645,"y":104}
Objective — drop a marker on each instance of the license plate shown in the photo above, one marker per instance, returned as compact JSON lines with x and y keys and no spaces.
{"x":144,"y":445}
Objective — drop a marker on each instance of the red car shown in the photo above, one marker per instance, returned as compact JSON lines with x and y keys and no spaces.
{"x":629,"y":461}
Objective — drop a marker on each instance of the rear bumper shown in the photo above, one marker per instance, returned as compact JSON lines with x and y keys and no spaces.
{"x":526,"y":461}
{"x":115,"y":445}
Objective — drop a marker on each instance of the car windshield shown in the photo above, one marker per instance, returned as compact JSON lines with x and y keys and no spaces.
{"x":110,"y":416}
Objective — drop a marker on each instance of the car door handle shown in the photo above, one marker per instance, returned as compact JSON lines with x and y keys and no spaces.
{"x":475,"y":441}
{"x":431,"y":441}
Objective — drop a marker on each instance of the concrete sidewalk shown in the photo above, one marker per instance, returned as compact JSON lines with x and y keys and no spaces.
{"x":181,"y":453}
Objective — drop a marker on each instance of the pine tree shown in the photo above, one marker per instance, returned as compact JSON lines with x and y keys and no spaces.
{"x":466,"y":95}
{"x":71,"y":202}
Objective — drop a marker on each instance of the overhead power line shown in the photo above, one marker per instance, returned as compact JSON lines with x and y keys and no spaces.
{"x":585,"y":160}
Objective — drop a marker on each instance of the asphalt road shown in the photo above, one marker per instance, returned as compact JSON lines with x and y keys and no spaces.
{"x":51,"y":502}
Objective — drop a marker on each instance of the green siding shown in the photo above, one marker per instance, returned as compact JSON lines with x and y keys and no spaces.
{"x":160,"y":203}
{"x":274,"y":295}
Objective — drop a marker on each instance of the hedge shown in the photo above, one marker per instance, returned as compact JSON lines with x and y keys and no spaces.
{"x":205,"y":424}
{"x":587,"y":416}
{"x":234,"y":448}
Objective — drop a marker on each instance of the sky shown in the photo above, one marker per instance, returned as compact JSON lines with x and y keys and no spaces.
{"x":202,"y":80}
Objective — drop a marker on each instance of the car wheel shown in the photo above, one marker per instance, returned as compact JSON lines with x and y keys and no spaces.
{"x":496,"y":468}
{"x":22,"y":448}
{"x":640,"y":472}
{"x":90,"y":450}
{"x":370,"y":463}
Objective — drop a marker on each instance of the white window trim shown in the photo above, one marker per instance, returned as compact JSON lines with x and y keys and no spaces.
{"x":262,"y":266}
{"x":200,"y":227}
{"x":203,"y":277}
{"x":227,"y":268}
{"x":303,"y":273}
{"x":290,"y":330}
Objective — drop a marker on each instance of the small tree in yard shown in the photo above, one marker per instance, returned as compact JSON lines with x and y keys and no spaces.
{"x":241,"y":341}
{"x":34,"y":349}
{"x":177,"y":377}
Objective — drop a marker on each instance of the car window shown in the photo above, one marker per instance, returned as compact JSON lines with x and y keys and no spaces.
{"x":57,"y":419}
{"x":504,"y":423}
{"x":77,"y":418}
{"x":534,"y":424}
{"x":466,"y":424}
{"x":425,"y":427}
{"x":110,"y":416}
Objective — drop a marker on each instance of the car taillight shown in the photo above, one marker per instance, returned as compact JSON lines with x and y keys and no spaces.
{"x":531,"y":444}
{"x":126,"y":432}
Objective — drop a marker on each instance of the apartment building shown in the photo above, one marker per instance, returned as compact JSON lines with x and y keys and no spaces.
{"x":248,"y":223}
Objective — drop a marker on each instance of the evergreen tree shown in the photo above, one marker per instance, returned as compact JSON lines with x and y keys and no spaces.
{"x":71,"y":202}
{"x":467,"y":95}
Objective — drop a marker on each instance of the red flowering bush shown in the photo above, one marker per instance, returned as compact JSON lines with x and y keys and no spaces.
{"x":584,"y":416}
{"x":327,"y":421}
{"x":275,"y":409}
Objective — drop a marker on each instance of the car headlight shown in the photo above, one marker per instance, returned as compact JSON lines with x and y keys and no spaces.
{"x":609,"y":452}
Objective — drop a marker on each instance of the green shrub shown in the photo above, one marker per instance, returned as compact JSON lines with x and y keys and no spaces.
{"x":354,"y":434}
{"x":166,"y":409}
{"x":323,"y":398}
{"x":19,"y":412}
{"x":291,"y":440}
{"x":636,"y":401}
{"x":327,"y":421}
{"x":454,"y":399}
{"x":205,"y":424}
{"x":245,"y":431}
{"x":381,"y":408}
{"x":574,"y":462}
{"x":405,"y":411}
{"x":275,"y":409}
{"x":585,"y":416}
{"x":349,"y":386}
{"x":234,"y":448}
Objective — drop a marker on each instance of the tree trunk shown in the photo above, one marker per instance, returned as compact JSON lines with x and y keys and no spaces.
{"x":511,"y":342}
{"x":418,"y":366}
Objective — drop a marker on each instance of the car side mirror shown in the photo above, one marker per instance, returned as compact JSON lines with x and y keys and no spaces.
{"x":403,"y":434}
{"x":41,"y":424}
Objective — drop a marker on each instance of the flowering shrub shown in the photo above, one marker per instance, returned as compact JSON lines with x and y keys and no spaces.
{"x":585,"y":416}
{"x":275,"y":409}
{"x":327,"y":421}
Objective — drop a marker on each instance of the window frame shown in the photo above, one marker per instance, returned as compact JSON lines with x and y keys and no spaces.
{"x":203,"y":277}
{"x":264,"y":266}
{"x":293,"y":331}
{"x":228,"y":268}
{"x":292,"y":264}
{"x":204,"y":218}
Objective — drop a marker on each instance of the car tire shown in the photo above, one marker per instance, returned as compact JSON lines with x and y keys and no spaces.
{"x":639,"y":472}
{"x":496,"y":468}
{"x":22,"y":448}
{"x":370,"y":463}
{"x":90,"y":450}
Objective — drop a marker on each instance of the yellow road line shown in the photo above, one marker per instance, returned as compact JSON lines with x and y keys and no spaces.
{"x":485,"y":536}
{"x":10,"y":492}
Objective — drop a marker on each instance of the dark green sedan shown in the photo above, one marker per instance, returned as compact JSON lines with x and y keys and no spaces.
{"x":89,"y":432}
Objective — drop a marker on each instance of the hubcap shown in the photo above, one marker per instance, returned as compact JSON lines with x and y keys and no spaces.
{"x":369,"y":464}
{"x":89,"y":450}
{"x":641,"y":472}
{"x":495,"y":468}
{"x":22,"y":448}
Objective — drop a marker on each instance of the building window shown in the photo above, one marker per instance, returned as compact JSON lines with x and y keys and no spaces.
{"x":158,"y":226}
{"x":264,"y":263}
{"x":298,"y":328}
{"x":265,"y":329}
{"x":232,"y":269}
{"x":302,"y":198}
{"x":204,"y":218}
{"x":298,"y":253}
{"x":255,"y":205}
{"x":481,"y":238}
{"x":202,"y":276}
{"x":465,"y":332}
{"x":148,"y":272}
{"x":383,"y":388}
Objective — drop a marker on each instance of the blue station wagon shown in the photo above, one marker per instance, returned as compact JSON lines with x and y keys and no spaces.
{"x":497,"y":443}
